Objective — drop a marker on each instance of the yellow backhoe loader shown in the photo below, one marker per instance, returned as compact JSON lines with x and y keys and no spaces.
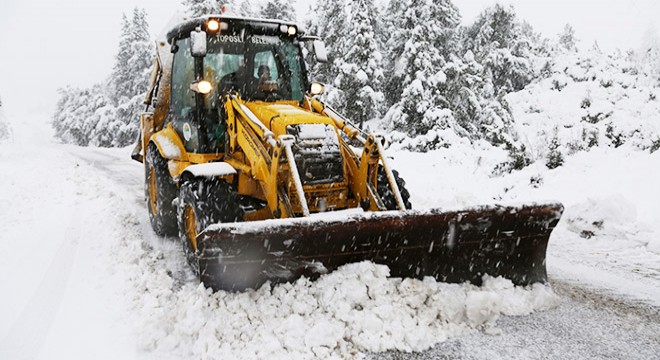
{"x":261,"y":181}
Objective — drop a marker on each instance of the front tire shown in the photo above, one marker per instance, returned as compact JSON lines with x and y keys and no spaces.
{"x":203,"y":202}
{"x":161,"y":191}
{"x":385,"y":190}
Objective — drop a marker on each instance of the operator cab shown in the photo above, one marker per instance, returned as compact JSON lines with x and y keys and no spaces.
{"x":214,"y":56}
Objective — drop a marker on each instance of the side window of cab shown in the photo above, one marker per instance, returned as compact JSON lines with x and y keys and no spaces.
{"x":182,"y":108}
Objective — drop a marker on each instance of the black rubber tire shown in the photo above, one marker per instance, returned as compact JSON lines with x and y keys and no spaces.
{"x":385,"y":191}
{"x":162,"y":213}
{"x":212,"y":201}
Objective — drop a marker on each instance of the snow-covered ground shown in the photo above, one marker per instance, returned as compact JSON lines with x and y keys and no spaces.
{"x":610,"y":230}
{"x":85,"y":277}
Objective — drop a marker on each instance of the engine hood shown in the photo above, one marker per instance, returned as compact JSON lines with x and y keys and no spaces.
{"x":277,"y":116}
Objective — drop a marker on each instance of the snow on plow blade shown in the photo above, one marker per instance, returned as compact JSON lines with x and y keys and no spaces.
{"x":453,"y":246}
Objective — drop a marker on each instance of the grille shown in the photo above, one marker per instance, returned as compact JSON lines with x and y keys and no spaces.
{"x":317,"y":153}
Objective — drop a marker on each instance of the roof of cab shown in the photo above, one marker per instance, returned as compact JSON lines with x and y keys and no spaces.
{"x":182,"y":30}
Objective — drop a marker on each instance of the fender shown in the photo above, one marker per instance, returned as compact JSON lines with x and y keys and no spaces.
{"x":169,"y":144}
{"x":208,"y":170}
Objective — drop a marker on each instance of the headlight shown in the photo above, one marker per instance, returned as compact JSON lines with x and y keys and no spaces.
{"x":288,"y":29}
{"x":202,"y":87}
{"x":292,"y":30}
{"x":316,"y":89}
{"x":212,"y":25}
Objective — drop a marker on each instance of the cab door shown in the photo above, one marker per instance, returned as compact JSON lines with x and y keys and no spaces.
{"x":182,"y":107}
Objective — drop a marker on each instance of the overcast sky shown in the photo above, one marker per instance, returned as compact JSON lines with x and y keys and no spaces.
{"x":47,"y":44}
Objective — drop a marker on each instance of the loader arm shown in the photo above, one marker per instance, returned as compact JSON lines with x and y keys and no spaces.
{"x":364,"y":169}
{"x":264,"y":155}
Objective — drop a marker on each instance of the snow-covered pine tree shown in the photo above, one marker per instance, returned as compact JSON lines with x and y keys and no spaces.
{"x":73,"y":114}
{"x":278,"y":9}
{"x":567,"y":38}
{"x":133,"y":58}
{"x":500,"y":55}
{"x":648,"y":55}
{"x":142,"y":52}
{"x":130,"y":75}
{"x":60,"y":117}
{"x":463,"y":90}
{"x":245,"y":8}
{"x":202,"y":7}
{"x":361,"y":71}
{"x":504,"y":46}
{"x":197,"y":8}
{"x":108,"y":114}
{"x":330,"y":22}
{"x":394,"y":39}
{"x":104,"y":132}
{"x":479,"y":113}
{"x":121,"y":79}
{"x":555,"y":158}
{"x":428,"y":32}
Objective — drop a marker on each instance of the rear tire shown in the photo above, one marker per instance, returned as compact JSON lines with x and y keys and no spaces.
{"x":161,"y":191}
{"x":203,"y":202}
{"x":385,"y":190}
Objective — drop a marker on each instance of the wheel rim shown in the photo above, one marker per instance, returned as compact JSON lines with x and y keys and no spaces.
{"x":190,"y":223}
{"x":153,"y":191}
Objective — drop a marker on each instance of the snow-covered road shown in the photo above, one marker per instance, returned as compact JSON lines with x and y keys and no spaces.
{"x":87,"y":278}
{"x":586,"y":325}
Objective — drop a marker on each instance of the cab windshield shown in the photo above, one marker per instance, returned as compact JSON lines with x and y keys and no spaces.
{"x":258,"y":67}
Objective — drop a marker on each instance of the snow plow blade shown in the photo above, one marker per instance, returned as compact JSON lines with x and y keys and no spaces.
{"x":452,"y":246}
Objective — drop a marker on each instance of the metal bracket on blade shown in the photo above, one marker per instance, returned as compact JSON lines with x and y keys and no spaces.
{"x":287,"y":141}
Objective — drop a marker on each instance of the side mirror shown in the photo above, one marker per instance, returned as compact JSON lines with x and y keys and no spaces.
{"x":320,"y":52}
{"x":198,"y":43}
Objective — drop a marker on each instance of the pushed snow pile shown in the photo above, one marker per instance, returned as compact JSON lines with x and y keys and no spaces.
{"x":613,"y":218}
{"x":352,"y":310}
{"x":609,"y":232}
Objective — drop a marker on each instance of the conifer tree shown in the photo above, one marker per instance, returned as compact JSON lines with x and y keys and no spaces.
{"x":504,"y":46}
{"x":330,"y":23}
{"x":555,"y":158}
{"x":567,"y":38}
{"x":426,"y":31}
{"x":394,"y":42}
{"x":121,"y":77}
{"x":142,"y":51}
{"x":108,"y":114}
{"x":648,"y":55}
{"x":464,"y":92}
{"x":72,"y":114}
{"x":133,"y":59}
{"x":197,"y":8}
{"x":360,"y":68}
{"x":244,"y":8}
{"x":130,"y":75}
{"x":278,"y":9}
{"x":105,"y":121}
